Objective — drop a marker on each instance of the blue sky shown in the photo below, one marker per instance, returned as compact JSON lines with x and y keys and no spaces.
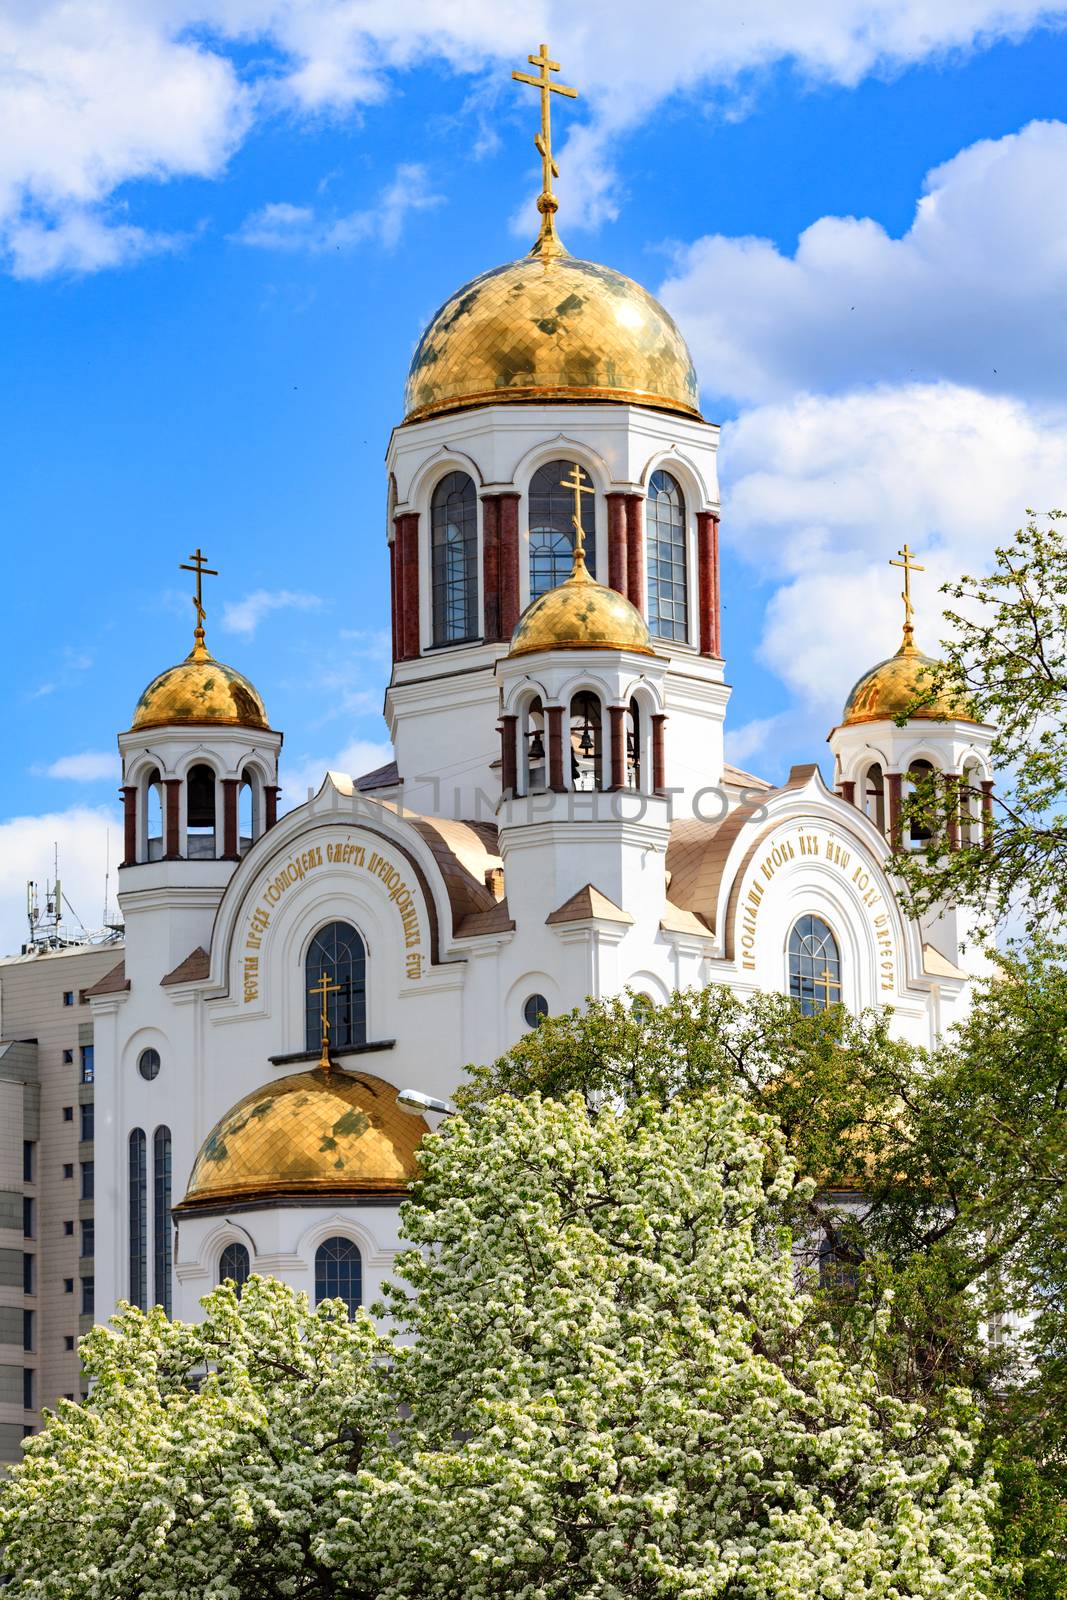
{"x":223,"y":228}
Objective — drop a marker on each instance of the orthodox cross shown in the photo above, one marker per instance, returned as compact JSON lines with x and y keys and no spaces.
{"x":198,"y":563}
{"x":825,"y":981}
{"x":547,"y":203}
{"x":324,"y":988}
{"x":574,"y":482}
{"x":909,"y":566}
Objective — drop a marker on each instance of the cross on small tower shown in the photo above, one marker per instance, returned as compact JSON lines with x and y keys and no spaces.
{"x":547,"y":202}
{"x":909,"y":566}
{"x":324,"y":988}
{"x":574,"y":483}
{"x":825,"y":981}
{"x":198,"y":563}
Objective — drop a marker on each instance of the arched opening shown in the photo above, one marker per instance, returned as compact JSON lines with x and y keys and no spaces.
{"x":339,"y":1273}
{"x":161,"y":1253}
{"x":454,"y":559}
{"x":665,"y":559}
{"x":633,"y":734}
{"x":200,"y":813}
{"x":246,"y":816}
{"x":970,"y":805}
{"x":535,"y":757}
{"x":919,"y":829}
{"x":154,"y":816}
{"x":814,"y":965}
{"x":138,"y":1206}
{"x":338,"y":952}
{"x":873,"y":795}
{"x":551,"y":526}
{"x":587,"y":742}
{"x":235,"y":1266}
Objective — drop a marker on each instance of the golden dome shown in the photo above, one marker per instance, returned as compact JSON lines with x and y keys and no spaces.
{"x":200,"y":689}
{"x":580,"y":614}
{"x":892,"y":687}
{"x":314,"y":1133}
{"x":550,"y":327}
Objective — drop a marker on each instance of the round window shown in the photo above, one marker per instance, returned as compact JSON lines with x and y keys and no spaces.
{"x":148,"y":1064}
{"x":535,"y":1010}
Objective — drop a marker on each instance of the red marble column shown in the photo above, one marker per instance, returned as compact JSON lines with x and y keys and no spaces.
{"x":848,"y":791}
{"x":270,"y":806}
{"x":892,"y":783}
{"x":392,"y":598}
{"x":554,"y":718}
{"x":173,"y":793}
{"x":617,"y":575}
{"x":407,"y":557}
{"x":952,"y":806}
{"x":509,"y":563}
{"x":708,"y":583}
{"x":129,"y":825}
{"x":617,"y":725}
{"x":635,"y":551}
{"x":230,"y":851}
{"x":491,"y":566}
{"x":987,"y":813}
{"x":659,"y":779}
{"x":509,"y":772}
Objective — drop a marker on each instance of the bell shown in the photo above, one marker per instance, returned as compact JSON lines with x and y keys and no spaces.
{"x":537,"y":746}
{"x":585,"y":743}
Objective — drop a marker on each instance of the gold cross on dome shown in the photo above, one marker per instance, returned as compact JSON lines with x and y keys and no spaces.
{"x":909,"y":566}
{"x":825,"y":981}
{"x":198,"y":563}
{"x":324,"y":988}
{"x":574,"y":482}
{"x":547,"y":203}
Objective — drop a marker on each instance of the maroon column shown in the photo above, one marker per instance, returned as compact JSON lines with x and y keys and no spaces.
{"x":392,"y":598}
{"x":987,"y":813}
{"x":892,"y":783}
{"x":270,"y":806}
{"x":848,"y":791}
{"x":635,"y":551}
{"x":659,"y":780}
{"x":708,"y":582}
{"x":230,"y":851}
{"x":407,"y":584}
{"x":617,"y":542}
{"x":617,"y":724}
{"x":509,"y":778}
{"x":491,"y":566}
{"x":509,"y":563}
{"x":129,"y":825}
{"x":173,"y":788}
{"x":554,"y":715}
{"x":952,"y":806}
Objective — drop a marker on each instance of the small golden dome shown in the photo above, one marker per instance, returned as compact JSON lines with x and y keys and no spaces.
{"x":550,"y":327}
{"x":580,"y":614}
{"x":314,"y":1133}
{"x":200,"y":689}
{"x":890,"y":688}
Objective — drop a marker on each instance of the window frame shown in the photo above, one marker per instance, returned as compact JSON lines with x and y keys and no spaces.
{"x":561,"y":558}
{"x":324,"y":1290}
{"x":666,"y":534}
{"x":442,"y":586}
{"x":356,"y":1035}
{"x":809,"y":1003}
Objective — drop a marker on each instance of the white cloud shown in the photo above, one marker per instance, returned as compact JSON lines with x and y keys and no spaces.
{"x":282,"y":226}
{"x":355,"y":758}
{"x":244,"y":616}
{"x":79,"y":242}
{"x":821,"y":491}
{"x":755,"y":738}
{"x":973,"y":292}
{"x":95,"y":93}
{"x":87,"y":767}
{"x":27,"y":846}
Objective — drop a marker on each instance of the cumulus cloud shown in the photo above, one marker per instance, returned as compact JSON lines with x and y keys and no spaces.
{"x":88,"y":766}
{"x":282,"y":226}
{"x":244,"y":616}
{"x":973,"y":292}
{"x":27,"y":846}
{"x":97,"y":93}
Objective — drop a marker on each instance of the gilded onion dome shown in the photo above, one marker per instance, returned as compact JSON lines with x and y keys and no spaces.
{"x":318,"y":1133}
{"x":580,"y":614}
{"x":550,"y":327}
{"x":200,"y":690}
{"x":894,"y":687}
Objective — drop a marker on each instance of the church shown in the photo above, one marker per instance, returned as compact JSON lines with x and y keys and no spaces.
{"x":559,"y":820}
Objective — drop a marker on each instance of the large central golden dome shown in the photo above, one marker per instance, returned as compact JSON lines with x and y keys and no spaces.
{"x":551,"y":327}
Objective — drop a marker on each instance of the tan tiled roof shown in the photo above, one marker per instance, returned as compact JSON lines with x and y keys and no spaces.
{"x":935,"y":965}
{"x":585,"y":906}
{"x":498,"y":920}
{"x":196,"y":965}
{"x":113,"y":982}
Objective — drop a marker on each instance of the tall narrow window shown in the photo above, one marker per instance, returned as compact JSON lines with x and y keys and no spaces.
{"x":873,"y":798}
{"x":551,"y":524}
{"x":454,"y":552}
{"x":161,"y":1252}
{"x":338,"y":951}
{"x":339,"y":1273}
{"x":668,"y":598}
{"x":154,"y":816}
{"x":536,"y":755}
{"x":245,"y":817}
{"x":587,"y":743}
{"x":138,"y":1202}
{"x":633,"y":732}
{"x":235,"y":1265}
{"x":200,"y":813}
{"x":970,"y":806}
{"x":919,"y":830}
{"x":814,"y":965}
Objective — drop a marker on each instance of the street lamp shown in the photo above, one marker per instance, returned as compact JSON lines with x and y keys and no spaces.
{"x":415,"y":1103}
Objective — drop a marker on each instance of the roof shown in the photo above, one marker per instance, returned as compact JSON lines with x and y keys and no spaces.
{"x":386,"y":777}
{"x":113,"y":982}
{"x":588,"y":905}
{"x":196,"y":965}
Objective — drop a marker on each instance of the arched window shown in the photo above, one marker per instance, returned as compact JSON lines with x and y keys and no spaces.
{"x":633,"y":732}
{"x":339,"y":1273}
{"x":200,"y":814}
{"x":454,"y":559}
{"x":551,"y":525}
{"x":138,"y":1201}
{"x":919,"y":830}
{"x":235,"y":1264}
{"x":872,"y":799}
{"x":338,"y":951}
{"x":536,"y":756}
{"x":161,"y":1253}
{"x":246,"y":816}
{"x":668,"y":600}
{"x":814,"y":965}
{"x":970,"y":805}
{"x":154,"y":816}
{"x":587,"y":744}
